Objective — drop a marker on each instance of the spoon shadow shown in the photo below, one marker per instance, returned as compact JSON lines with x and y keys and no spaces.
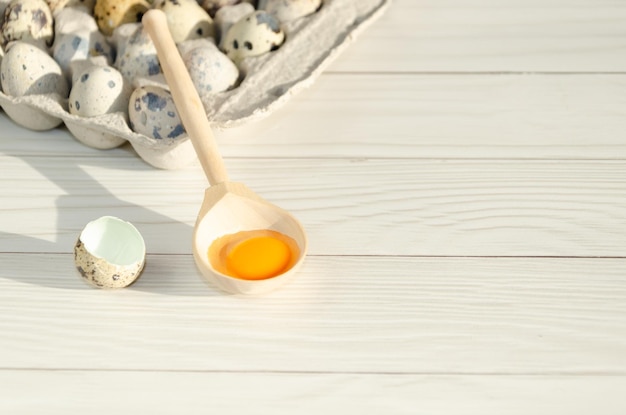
{"x":78,"y":185}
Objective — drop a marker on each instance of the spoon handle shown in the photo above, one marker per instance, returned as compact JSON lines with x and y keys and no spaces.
{"x":186,"y":97}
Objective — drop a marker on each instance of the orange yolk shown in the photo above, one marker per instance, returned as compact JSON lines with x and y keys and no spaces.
{"x":253,"y":255}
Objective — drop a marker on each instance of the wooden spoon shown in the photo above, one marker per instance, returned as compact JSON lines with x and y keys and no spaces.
{"x":227,"y":207}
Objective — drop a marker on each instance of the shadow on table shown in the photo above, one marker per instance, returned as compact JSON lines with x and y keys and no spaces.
{"x":71,"y":219}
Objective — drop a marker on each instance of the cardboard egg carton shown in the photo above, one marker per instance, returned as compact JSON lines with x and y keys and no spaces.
{"x":268,"y":82}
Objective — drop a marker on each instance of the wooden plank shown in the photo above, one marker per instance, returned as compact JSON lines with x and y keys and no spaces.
{"x":342,"y":314}
{"x":492,"y":36}
{"x":482,"y":116}
{"x":275,"y":393}
{"x":349,"y":207}
{"x":409,"y":116}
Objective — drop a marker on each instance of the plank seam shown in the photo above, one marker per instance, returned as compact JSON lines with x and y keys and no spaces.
{"x":608,"y":257}
{"x":322,"y":372}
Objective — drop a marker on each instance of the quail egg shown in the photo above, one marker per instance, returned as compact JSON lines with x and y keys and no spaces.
{"x":210,"y":70}
{"x":28,"y":70}
{"x":253,"y":35}
{"x":112,"y":13}
{"x":186,"y":19}
{"x":152,"y":112}
{"x":137,"y":56}
{"x":97,"y":91}
{"x":228,"y":16}
{"x":110,"y":253}
{"x":287,"y":10}
{"x":29,"y":21}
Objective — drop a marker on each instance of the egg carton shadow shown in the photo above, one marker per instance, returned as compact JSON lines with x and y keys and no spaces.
{"x":269,"y":82}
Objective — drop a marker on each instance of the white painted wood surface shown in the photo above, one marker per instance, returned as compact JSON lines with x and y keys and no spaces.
{"x":461,"y":172}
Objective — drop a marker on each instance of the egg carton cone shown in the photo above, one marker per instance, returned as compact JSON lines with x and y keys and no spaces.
{"x":268,"y":82}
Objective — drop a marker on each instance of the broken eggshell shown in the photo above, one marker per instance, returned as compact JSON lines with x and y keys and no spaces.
{"x":210,"y":70}
{"x":110,"y":253}
{"x":186,"y":19}
{"x":136,"y":56}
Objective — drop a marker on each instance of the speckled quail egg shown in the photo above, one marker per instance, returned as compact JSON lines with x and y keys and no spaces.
{"x":228,"y":16}
{"x":29,"y":21}
{"x":210,"y":70}
{"x":287,"y":10}
{"x":110,"y":253}
{"x":28,"y":70}
{"x":97,"y":91}
{"x":186,"y":19}
{"x":81,"y":45}
{"x":137,"y":56}
{"x":152,"y":112}
{"x":110,"y":14}
{"x":253,"y":35}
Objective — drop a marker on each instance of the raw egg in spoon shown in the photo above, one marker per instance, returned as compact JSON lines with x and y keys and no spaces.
{"x":241,"y":242}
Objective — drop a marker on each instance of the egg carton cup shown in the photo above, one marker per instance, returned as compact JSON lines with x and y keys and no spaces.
{"x":311,"y":44}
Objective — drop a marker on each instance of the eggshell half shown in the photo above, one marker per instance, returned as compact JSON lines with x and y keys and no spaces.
{"x":110,"y":253}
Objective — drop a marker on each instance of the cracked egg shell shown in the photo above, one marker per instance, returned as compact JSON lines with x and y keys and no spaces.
{"x":186,"y":19}
{"x":29,"y":21}
{"x":110,"y":253}
{"x":253,"y":35}
{"x":152,"y":112}
{"x":136,"y":57}
{"x":210,"y":70}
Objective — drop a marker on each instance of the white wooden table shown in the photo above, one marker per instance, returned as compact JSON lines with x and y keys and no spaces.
{"x":461,"y":173}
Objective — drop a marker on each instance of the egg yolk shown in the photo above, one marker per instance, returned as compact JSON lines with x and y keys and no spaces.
{"x":253,"y":255}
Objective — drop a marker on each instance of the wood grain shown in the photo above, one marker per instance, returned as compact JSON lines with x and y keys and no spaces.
{"x":460,"y":171}
{"x":492,"y":36}
{"x":276,"y":393}
{"x":410,"y":116}
{"x":348,"y":207}
{"x":341,"y":314}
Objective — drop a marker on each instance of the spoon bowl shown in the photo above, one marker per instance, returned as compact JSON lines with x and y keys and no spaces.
{"x":228,"y":207}
{"x":232,"y":207}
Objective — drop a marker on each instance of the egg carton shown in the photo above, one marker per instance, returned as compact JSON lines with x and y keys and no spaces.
{"x":269,"y":81}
